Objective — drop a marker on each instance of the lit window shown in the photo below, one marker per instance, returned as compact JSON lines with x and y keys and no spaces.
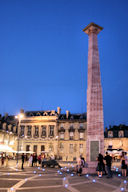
{"x":110,"y":133}
{"x":81,"y":135}
{"x":121,"y":133}
{"x":62,"y":135}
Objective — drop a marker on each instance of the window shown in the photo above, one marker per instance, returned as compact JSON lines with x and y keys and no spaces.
{"x":110,"y":133}
{"x":61,"y":147}
{"x":27,"y":147}
{"x":35,"y":148}
{"x":61,"y":135}
{"x":81,"y":135}
{"x":22,"y":131}
{"x":43,"y":131}
{"x":71,"y":135}
{"x":51,"y":133}
{"x":81,"y":148}
{"x":29,"y":131}
{"x":71,"y":148}
{"x":36,"y":131}
{"x":42,"y":148}
{"x":121,"y":133}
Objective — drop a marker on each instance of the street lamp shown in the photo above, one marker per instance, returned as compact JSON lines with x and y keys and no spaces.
{"x":19,"y":117}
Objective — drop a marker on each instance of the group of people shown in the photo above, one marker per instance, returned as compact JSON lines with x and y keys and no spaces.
{"x":103,"y":165}
{"x":107,"y":160}
{"x":33,"y":160}
{"x":102,"y":161}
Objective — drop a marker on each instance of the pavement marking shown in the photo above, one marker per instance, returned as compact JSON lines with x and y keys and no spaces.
{"x":40,"y":187}
{"x":67,"y":185}
{"x":20,"y":183}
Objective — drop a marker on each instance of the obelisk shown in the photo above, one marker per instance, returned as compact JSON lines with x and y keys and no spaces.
{"x":95,"y":119}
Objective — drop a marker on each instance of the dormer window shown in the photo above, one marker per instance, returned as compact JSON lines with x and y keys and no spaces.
{"x":72,"y":117}
{"x":38,"y":114}
{"x":121,"y":133}
{"x":45,"y":114}
{"x":110,"y":133}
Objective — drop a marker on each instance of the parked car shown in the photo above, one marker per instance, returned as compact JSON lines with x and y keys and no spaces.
{"x":50,"y":163}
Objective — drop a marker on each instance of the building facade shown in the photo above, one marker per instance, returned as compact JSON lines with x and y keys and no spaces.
{"x":50,"y":132}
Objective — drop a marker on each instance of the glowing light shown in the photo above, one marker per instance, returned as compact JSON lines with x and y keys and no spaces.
{"x":34,"y":171}
{"x":61,"y":168}
{"x":38,"y":167}
{"x":40,"y":175}
{"x":117,"y":169}
{"x":122,"y":189}
{"x":66,"y":185}
{"x":43,"y":169}
{"x":93,"y":180}
{"x":64,"y":178}
{"x":72,"y":175}
{"x":86,"y":175}
{"x":12,"y":189}
{"x":26,"y":179}
{"x":119,"y":175}
{"x":60,"y":173}
{"x":67,"y":170}
{"x":125,"y":181}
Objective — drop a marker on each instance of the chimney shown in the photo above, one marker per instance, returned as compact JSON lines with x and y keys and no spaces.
{"x":6,"y":115}
{"x":58,"y":110}
{"x":67,"y":114}
{"x":21,"y":110}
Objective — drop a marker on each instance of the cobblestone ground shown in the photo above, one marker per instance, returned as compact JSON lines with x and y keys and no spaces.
{"x":38,"y":179}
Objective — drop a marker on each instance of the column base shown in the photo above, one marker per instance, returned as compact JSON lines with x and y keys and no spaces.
{"x":91,"y":169}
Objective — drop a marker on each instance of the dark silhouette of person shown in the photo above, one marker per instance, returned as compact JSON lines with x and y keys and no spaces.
{"x":22,"y":158}
{"x":108,"y":160}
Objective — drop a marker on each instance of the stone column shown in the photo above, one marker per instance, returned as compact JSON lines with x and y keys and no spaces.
{"x":95,"y":120}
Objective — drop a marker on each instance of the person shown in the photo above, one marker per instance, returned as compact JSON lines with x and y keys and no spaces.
{"x":39,"y":159}
{"x":22,"y":158}
{"x":2,"y":159}
{"x":108,"y":160}
{"x":79,"y":166}
{"x":30,"y":160}
{"x":124,"y":165}
{"x":99,"y":165}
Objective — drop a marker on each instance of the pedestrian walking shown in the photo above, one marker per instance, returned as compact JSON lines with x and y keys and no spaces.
{"x":108,"y":160}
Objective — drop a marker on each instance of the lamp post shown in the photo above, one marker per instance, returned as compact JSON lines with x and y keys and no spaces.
{"x":19,"y":117}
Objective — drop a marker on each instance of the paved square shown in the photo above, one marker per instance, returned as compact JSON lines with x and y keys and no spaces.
{"x":33,"y":179}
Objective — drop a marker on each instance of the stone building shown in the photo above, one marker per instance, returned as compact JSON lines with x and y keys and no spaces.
{"x":116,"y":137}
{"x":8,"y":132}
{"x":60,"y":135}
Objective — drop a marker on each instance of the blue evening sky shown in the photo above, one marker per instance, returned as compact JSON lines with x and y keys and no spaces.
{"x":43,"y":55}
